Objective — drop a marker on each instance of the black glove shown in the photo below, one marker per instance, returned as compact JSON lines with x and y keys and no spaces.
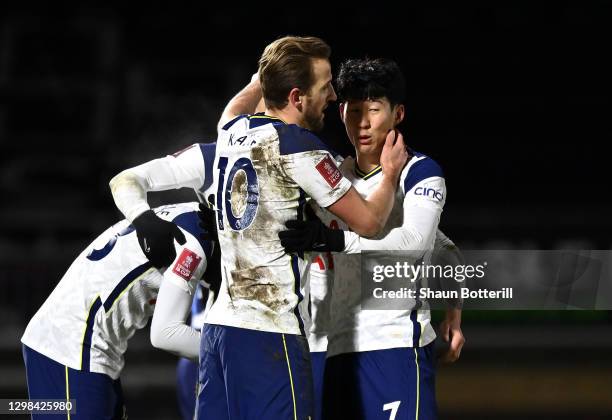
{"x":212,"y":275}
{"x":208,"y":223}
{"x":156,"y":238}
{"x":311,"y":235}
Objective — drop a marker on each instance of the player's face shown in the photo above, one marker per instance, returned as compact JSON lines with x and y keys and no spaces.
{"x":367,"y":123}
{"x":319,"y":96}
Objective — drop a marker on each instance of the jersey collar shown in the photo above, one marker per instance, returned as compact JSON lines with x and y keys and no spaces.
{"x":260,"y":119}
{"x":363,"y":175}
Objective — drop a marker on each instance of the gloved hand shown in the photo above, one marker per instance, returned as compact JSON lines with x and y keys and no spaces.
{"x":208,"y":223}
{"x":212,"y":275}
{"x":156,"y":238}
{"x":311,"y":235}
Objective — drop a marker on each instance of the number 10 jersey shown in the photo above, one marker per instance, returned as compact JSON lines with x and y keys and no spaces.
{"x":264,"y":170}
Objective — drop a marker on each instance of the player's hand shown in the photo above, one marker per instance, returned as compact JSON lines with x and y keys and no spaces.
{"x":208,"y":223}
{"x":311,"y":235}
{"x":450,"y":331}
{"x":394,"y":155}
{"x":156,"y":238}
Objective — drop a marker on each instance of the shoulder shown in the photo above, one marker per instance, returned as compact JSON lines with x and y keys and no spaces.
{"x":419,"y":168}
{"x":208,"y":151}
{"x":233,"y":121}
{"x":185,"y":215}
{"x":295,"y":139}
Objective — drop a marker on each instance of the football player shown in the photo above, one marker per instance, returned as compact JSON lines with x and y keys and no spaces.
{"x":264,"y":165}
{"x":380,"y":363}
{"x":73,"y":346}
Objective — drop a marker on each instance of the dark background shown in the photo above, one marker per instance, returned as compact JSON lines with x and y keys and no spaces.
{"x":513,"y":100}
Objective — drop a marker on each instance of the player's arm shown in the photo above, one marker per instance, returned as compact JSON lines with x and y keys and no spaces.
{"x":420,"y":222}
{"x":447,"y":253}
{"x":183,"y":169}
{"x":421,"y":218}
{"x":310,"y":164}
{"x":450,"y":330}
{"x":248,"y":101}
{"x":368,"y":216}
{"x":169,"y":329}
{"x":191,"y":167}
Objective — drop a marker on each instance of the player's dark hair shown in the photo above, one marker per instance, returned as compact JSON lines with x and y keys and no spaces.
{"x":286,"y":64}
{"x":367,"y":78}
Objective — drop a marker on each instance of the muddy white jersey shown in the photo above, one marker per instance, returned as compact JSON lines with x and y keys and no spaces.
{"x":109,"y":292}
{"x":351,"y":329}
{"x":264,"y":170}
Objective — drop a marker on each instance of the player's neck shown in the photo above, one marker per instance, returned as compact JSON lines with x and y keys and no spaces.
{"x":367,"y":162}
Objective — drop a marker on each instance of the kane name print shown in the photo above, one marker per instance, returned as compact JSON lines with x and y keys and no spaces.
{"x":329,"y":171}
{"x":186,"y":263}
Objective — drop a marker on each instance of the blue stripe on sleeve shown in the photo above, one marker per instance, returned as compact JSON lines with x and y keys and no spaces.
{"x":124,"y":283}
{"x":190,"y":222}
{"x":208,"y":153}
{"x":423,"y":169}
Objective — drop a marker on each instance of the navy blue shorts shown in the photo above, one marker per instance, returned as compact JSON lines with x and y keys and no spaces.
{"x":97,"y":396}
{"x":248,"y":374}
{"x":317,"y":359}
{"x":392,"y":384}
{"x":186,"y":387}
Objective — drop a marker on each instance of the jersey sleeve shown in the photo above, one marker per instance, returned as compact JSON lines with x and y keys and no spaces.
{"x":423,"y":184}
{"x":169,"y":329}
{"x":190,"y":167}
{"x":311,"y":164}
{"x":192,"y":257}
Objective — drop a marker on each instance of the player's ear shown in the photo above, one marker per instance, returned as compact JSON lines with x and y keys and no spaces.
{"x":341,"y":108}
{"x":295,"y":98}
{"x":400,"y":111}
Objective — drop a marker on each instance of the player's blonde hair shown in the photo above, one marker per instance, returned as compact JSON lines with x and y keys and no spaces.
{"x":286,"y":64}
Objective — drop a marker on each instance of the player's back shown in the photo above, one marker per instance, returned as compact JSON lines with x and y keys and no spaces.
{"x":107,"y":294}
{"x":257,"y":160}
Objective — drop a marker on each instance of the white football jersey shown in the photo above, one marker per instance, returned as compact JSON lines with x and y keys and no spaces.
{"x":264,"y":170}
{"x":349,"y":328}
{"x":109,"y":292}
{"x":320,"y":276}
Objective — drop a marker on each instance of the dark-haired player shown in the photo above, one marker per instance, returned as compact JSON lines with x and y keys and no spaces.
{"x":380,"y":363}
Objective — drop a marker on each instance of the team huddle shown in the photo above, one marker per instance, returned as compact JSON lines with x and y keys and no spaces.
{"x":270,"y":264}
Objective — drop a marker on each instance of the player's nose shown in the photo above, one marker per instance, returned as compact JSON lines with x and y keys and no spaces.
{"x":332,"y":95}
{"x":364,"y":121}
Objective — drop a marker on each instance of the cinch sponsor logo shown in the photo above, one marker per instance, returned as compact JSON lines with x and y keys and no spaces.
{"x":429,"y":192}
